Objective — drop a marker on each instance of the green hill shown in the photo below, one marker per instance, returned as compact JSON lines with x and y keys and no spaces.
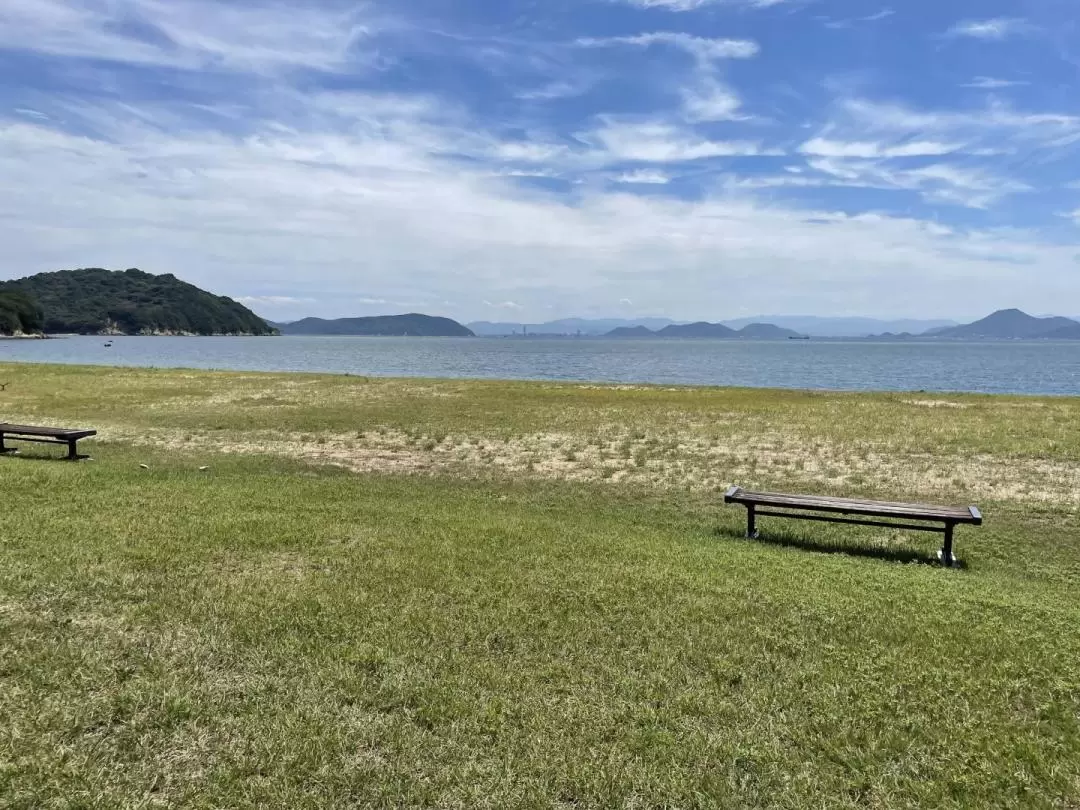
{"x":20,"y":314}
{"x":411,"y":325}
{"x":131,"y":302}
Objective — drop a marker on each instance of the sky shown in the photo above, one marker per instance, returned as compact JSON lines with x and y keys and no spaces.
{"x":523,"y":160}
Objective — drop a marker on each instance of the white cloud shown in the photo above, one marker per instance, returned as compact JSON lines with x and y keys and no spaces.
{"x":970,"y":187}
{"x":989,"y":83}
{"x":711,"y":101}
{"x":870,"y":149}
{"x":234,"y":213}
{"x":882,"y":116}
{"x":851,"y":22}
{"x":705,"y":97}
{"x":661,"y":142}
{"x":613,"y":140}
{"x":998,"y":28}
{"x":701,"y":48}
{"x":996,"y":129}
{"x":644,"y":176}
{"x":273,"y":300}
{"x":560,"y":88}
{"x":778,"y":181}
{"x":530,"y":151}
{"x":195,"y":34}
{"x":693,"y":5}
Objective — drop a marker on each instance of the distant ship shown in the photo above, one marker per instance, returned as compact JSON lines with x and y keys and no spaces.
{"x":798,"y":337}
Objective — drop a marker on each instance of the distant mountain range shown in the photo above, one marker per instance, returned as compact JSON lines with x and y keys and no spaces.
{"x":702,"y":329}
{"x":411,"y":325}
{"x":1009,"y":324}
{"x":566,"y":326}
{"x":843,"y":327}
{"x":802,"y":324}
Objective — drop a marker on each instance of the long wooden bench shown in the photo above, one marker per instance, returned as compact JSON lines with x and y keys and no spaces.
{"x":44,"y":435}
{"x":909,"y":516}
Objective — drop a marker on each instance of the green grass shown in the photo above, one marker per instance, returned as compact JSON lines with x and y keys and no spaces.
{"x":314,"y":622}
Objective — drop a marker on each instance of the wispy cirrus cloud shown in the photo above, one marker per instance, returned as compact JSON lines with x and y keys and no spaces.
{"x":968,"y":187}
{"x":662,"y":142}
{"x":191,"y":34}
{"x":977,"y":152}
{"x":990,"y":83}
{"x":650,"y":177}
{"x":870,"y":149}
{"x":996,"y":29}
{"x":851,"y":22}
{"x":703,"y":49}
{"x":993,"y":128}
{"x":694,"y":5}
{"x":705,"y":96}
{"x":710,"y":100}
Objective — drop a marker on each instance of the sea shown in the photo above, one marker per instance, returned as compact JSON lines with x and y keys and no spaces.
{"x":992,"y":367}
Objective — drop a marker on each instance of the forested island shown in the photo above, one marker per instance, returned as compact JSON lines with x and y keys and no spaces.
{"x":94,"y":301}
{"x":19,"y":314}
{"x":410,"y":325}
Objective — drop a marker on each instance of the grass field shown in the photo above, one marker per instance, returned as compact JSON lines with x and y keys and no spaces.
{"x":415,"y":593}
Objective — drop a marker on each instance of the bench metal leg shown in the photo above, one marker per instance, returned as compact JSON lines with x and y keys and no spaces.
{"x":73,"y":453}
{"x":751,"y":522}
{"x":947,"y":552}
{"x":4,"y":450}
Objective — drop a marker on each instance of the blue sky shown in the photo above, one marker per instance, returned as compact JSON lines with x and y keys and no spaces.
{"x":527,"y":159}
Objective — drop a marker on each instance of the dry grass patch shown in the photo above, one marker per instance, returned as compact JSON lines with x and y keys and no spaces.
{"x":662,"y":461}
{"x":936,"y":403}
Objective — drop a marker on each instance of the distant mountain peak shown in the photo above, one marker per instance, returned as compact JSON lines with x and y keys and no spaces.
{"x":1011,"y":324}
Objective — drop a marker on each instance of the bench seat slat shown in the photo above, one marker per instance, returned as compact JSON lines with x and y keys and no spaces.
{"x":954,"y":514}
{"x":56,"y":433}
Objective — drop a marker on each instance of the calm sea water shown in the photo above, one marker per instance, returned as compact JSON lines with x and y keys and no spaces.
{"x":988,"y":367}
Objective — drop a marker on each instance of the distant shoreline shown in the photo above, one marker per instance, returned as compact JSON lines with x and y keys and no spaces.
{"x":913,"y":339}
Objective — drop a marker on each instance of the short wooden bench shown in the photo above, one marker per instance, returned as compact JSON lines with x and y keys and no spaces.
{"x":910,"y":516}
{"x":44,"y":435}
